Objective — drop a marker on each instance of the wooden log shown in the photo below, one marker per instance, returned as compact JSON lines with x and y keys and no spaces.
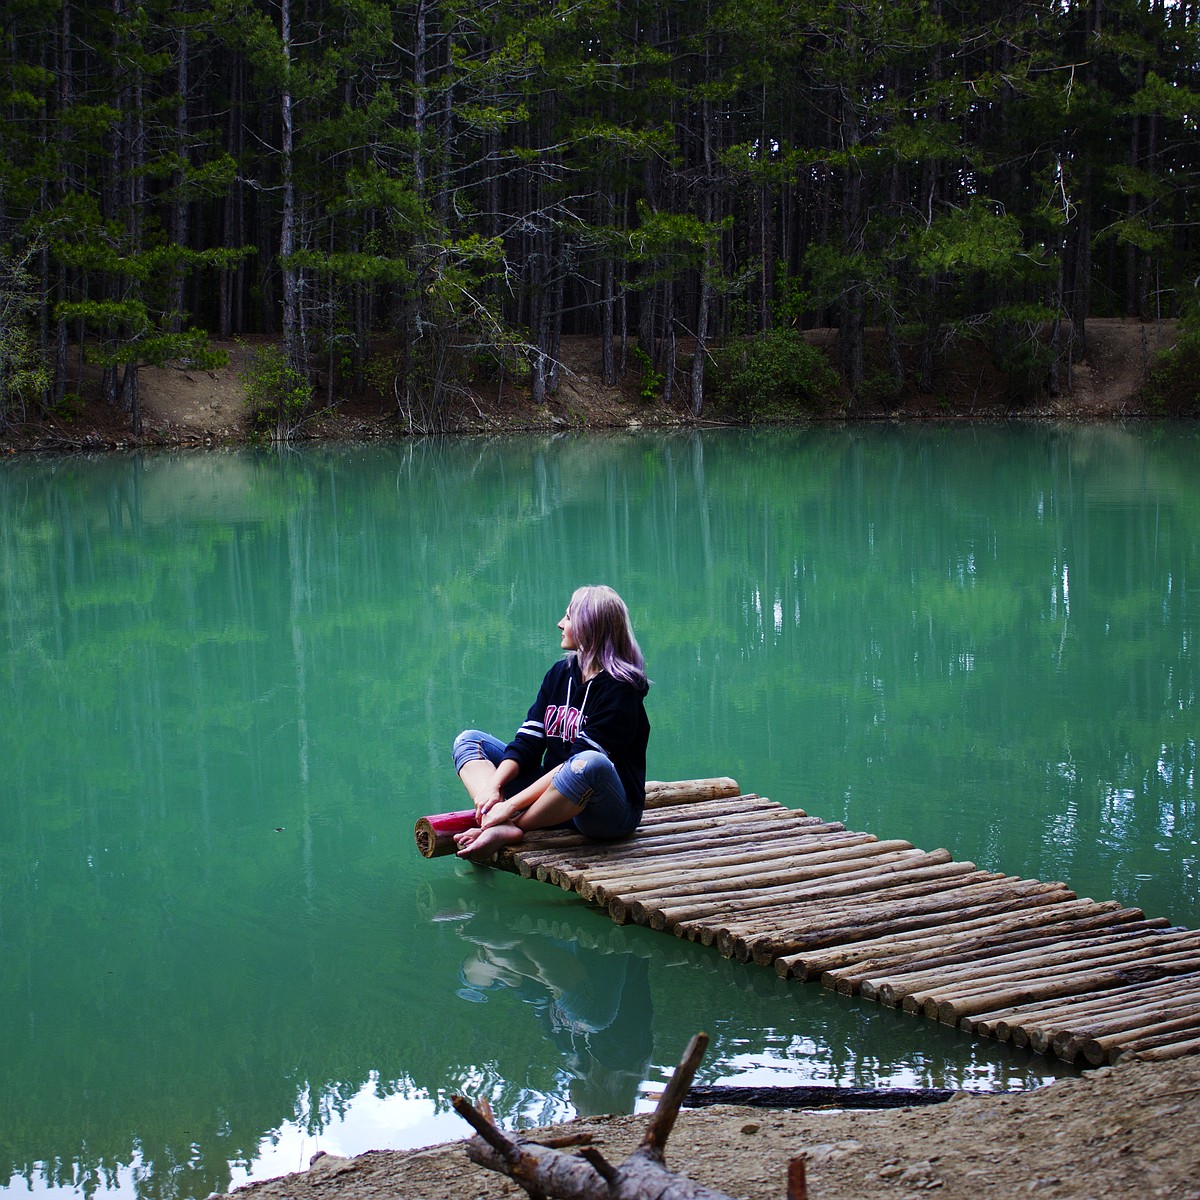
{"x":542,"y":852}
{"x":715,"y":856}
{"x":1107,"y":1013}
{"x":641,"y":855}
{"x":879,"y":976}
{"x":730,"y":893}
{"x":1177,"y":950}
{"x":822,"y":859}
{"x":1005,"y":1022}
{"x":689,"y":791}
{"x":791,"y":918}
{"x":1126,"y":1035}
{"x":889,"y":880}
{"x":1163,"y":1053}
{"x":435,"y":834}
{"x":811,"y":963}
{"x":826,"y":906}
{"x":976,"y":896}
{"x":694,"y":862}
{"x":898,"y":891}
{"x":556,"y":846}
{"x":689,"y":901}
{"x":649,"y":842}
{"x":950,"y":1010}
{"x":1017,"y":962}
{"x":852,"y":927}
{"x":550,"y":863}
{"x":682,"y":815}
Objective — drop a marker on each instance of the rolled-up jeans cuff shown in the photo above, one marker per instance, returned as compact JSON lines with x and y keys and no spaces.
{"x":474,"y":745}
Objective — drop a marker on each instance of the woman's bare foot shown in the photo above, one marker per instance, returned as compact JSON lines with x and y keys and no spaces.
{"x":478,"y":843}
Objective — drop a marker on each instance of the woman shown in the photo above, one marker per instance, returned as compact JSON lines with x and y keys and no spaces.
{"x":580,"y":757}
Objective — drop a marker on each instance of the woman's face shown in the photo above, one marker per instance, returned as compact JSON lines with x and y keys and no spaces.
{"x":568,"y":635}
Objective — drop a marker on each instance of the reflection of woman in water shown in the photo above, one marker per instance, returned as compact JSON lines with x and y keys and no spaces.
{"x":594,"y":1006}
{"x":580,"y":757}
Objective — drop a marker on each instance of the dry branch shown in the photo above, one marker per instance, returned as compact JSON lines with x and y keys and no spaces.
{"x":544,"y":1171}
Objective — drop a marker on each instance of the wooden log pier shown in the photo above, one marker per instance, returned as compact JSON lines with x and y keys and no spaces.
{"x":995,"y":955}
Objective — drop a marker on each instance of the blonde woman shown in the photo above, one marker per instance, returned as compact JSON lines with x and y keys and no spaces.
{"x":579,"y":758}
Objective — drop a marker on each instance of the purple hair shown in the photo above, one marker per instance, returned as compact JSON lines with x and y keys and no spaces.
{"x":604,"y":636}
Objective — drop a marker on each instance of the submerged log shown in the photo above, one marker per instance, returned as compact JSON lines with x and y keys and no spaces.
{"x":546,"y":1171}
{"x":820,"y":1095}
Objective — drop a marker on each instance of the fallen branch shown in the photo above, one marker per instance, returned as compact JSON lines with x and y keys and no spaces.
{"x":544,"y":1171}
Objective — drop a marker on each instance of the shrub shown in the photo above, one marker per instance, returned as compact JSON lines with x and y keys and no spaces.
{"x":1020,"y":350}
{"x":1173,"y":388}
{"x":775,"y":376}
{"x":277,"y":396}
{"x":653,"y":381}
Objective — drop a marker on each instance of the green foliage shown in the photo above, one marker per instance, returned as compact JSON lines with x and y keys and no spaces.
{"x":1021,"y":349}
{"x":278,"y":397}
{"x":775,"y":376}
{"x":861,"y":166}
{"x":24,"y":377}
{"x":653,"y":380}
{"x":1173,"y":388}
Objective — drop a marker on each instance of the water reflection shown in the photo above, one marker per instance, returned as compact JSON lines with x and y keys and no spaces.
{"x":591,"y":1002}
{"x":229,"y":681}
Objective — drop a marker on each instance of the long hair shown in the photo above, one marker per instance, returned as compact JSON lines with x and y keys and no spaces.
{"x":604,"y":636}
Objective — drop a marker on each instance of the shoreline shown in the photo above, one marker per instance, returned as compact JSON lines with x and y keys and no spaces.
{"x":192,"y":409}
{"x":1132,"y":1129}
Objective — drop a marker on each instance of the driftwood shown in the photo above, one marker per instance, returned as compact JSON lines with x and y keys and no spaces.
{"x":546,"y":1171}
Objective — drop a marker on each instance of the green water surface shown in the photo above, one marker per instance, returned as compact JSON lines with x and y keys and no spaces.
{"x":230,"y":682}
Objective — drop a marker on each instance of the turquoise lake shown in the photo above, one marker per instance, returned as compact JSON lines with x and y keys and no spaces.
{"x":230,"y":681}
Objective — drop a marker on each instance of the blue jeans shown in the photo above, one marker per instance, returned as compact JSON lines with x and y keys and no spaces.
{"x":587,"y":779}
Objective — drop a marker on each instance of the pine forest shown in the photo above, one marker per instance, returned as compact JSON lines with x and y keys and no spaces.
{"x":398,"y":193}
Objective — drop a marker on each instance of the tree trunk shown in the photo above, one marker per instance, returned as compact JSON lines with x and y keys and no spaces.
{"x":292,"y":345}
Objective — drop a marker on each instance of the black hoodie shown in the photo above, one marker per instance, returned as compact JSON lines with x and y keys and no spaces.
{"x":570,"y":716}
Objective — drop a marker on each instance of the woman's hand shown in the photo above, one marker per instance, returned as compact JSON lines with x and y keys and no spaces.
{"x":487,"y":800}
{"x":504,"y":812}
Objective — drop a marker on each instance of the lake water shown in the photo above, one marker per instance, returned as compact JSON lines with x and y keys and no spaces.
{"x":230,"y":682}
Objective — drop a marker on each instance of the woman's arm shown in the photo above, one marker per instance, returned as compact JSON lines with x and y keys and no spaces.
{"x":493,"y":792}
{"x":504,"y":811}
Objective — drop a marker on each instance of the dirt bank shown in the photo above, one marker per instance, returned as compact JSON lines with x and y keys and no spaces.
{"x":192,"y":407}
{"x":1126,"y":1131}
